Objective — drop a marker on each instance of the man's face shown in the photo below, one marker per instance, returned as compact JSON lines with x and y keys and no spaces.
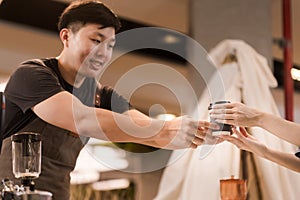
{"x":90,"y":49}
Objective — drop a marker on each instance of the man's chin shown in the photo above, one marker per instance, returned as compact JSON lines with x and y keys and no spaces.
{"x":93,"y":73}
{"x":87,"y":74}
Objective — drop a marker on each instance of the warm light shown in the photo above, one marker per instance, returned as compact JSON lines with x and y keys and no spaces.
{"x":2,"y":86}
{"x":170,"y":39}
{"x":84,"y":177}
{"x":111,"y":184}
{"x":166,"y":117}
{"x":295,"y":74}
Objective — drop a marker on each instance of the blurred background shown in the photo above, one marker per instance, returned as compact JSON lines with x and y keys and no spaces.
{"x":28,"y":30}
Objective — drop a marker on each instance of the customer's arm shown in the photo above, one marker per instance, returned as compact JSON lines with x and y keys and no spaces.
{"x":247,"y":142}
{"x":66,"y":111}
{"x":280,"y":127}
{"x":239,"y":114}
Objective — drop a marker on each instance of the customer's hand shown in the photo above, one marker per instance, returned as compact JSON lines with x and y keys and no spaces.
{"x":243,"y":140}
{"x":237,"y":114}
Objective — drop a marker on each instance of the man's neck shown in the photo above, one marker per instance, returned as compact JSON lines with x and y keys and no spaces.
{"x":69,"y":74}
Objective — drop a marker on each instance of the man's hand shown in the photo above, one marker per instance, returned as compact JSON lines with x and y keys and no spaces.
{"x":183,"y":132}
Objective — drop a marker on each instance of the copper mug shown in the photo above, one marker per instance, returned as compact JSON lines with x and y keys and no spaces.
{"x":233,"y":189}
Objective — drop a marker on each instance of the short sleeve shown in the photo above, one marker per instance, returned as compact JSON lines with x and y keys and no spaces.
{"x":111,"y":100}
{"x":30,"y":84}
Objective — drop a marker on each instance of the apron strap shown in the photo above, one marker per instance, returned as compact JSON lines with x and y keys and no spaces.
{"x":298,"y":153}
{"x":2,"y":115}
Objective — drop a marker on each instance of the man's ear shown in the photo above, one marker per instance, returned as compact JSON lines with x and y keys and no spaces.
{"x":64,"y":36}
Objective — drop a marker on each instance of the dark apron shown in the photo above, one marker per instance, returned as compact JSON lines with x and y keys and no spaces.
{"x":60,"y":149}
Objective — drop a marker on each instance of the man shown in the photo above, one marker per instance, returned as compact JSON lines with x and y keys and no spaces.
{"x":56,"y":97}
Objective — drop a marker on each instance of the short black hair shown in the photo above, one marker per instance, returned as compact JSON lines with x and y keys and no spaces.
{"x":87,"y":12}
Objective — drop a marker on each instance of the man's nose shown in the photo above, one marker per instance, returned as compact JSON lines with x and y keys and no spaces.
{"x":102,"y":49}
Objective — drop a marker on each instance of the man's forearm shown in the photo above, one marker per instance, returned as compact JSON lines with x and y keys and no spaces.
{"x":104,"y":124}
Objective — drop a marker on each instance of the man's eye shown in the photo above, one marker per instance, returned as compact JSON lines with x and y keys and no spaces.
{"x":96,"y":41}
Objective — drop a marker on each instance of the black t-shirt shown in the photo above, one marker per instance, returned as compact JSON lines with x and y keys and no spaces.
{"x":33,"y":82}
{"x":36,"y":80}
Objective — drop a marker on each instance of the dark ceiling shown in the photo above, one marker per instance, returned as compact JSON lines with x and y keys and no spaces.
{"x":44,"y":14}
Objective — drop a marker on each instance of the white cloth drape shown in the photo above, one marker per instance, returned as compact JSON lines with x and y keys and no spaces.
{"x":197,"y":173}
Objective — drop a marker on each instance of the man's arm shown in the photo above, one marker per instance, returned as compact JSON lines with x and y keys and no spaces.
{"x":167,"y":143}
{"x":66,"y":111}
